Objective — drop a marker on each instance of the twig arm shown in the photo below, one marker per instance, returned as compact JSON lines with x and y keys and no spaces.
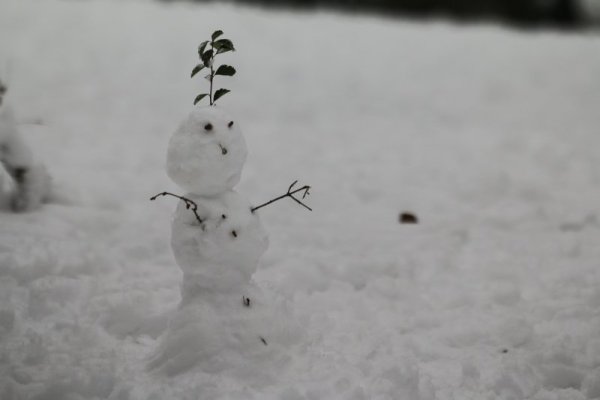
{"x":290,"y":193}
{"x":189,"y":204}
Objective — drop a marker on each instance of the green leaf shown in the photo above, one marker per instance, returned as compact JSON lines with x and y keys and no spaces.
{"x":223,"y":46}
{"x":206,"y":57}
{"x":226,"y":70}
{"x":219,"y":93}
{"x":202,"y":47}
{"x":197,"y":69}
{"x":216,"y":34}
{"x":200,"y":97}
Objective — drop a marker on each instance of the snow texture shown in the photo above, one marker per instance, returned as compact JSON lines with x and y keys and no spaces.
{"x":488,"y":135}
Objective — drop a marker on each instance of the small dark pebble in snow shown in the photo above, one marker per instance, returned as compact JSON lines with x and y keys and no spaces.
{"x":208,"y":127}
{"x":230,"y":124}
{"x":504,"y":351}
{"x":246,"y":301}
{"x":262,"y":339}
{"x":224,"y":216}
{"x":234,"y":233}
{"x":408,"y":218}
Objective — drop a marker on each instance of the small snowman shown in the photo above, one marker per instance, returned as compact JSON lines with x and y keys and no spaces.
{"x":31,"y":184}
{"x":224,"y":321}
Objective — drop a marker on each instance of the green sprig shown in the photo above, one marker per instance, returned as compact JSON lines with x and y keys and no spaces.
{"x":207,"y":52}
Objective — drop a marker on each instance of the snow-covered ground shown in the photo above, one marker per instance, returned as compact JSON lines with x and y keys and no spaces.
{"x":489,"y":135}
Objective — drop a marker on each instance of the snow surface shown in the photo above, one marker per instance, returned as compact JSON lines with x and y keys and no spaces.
{"x":489,"y":136}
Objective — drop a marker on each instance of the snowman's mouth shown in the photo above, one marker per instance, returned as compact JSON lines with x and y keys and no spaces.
{"x":223,"y":149}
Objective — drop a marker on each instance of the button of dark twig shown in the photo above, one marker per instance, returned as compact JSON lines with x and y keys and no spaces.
{"x":246,"y":301}
{"x":262,"y":339}
{"x":223,"y":216}
{"x":208,"y":127}
{"x":234,"y":233}
{"x":230,"y":124}
{"x":504,"y":351}
{"x":408,"y":218}
{"x":19,"y":174}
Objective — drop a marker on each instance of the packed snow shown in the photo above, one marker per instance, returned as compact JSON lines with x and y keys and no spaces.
{"x":222,"y":252}
{"x":207,"y":152}
{"x":488,"y":135}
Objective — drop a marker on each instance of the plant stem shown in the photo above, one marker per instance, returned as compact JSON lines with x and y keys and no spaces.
{"x":212,"y":72}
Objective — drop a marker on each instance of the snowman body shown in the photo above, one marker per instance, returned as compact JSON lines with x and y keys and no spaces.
{"x":222,"y":253}
{"x":224,"y":321}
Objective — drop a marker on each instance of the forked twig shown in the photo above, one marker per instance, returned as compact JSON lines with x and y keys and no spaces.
{"x":289,"y":194}
{"x":189,"y":204}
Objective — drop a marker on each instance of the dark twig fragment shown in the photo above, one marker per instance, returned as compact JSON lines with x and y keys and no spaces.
{"x":246,"y":301}
{"x":189,"y":204}
{"x":290,"y":193}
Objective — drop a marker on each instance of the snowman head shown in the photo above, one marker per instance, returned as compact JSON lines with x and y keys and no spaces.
{"x":207,"y":152}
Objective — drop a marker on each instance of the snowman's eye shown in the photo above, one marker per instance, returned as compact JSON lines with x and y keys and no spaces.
{"x":230,"y":124}
{"x":208,"y":127}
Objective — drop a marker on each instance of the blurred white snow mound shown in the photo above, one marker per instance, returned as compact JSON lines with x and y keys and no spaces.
{"x":13,"y":150}
{"x":31,"y":183}
{"x":207,"y":152}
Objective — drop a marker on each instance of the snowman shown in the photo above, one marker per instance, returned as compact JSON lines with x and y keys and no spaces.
{"x":219,"y":244}
{"x":224,"y":321}
{"x":30,"y":180}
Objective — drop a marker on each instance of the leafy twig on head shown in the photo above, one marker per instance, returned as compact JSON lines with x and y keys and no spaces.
{"x":207,"y":51}
{"x":290,"y":193}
